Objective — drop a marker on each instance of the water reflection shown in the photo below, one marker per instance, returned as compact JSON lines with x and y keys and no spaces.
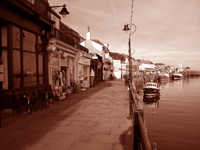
{"x":165,"y":84}
{"x":178,"y":84}
{"x":176,"y":124}
{"x":152,"y":102}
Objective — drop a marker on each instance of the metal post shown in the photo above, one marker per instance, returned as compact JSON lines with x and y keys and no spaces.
{"x":130,"y":61}
{"x":130,"y":76}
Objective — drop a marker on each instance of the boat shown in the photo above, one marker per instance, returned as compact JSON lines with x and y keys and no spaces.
{"x":163,"y":77}
{"x":177,"y":76}
{"x":151,"y":89}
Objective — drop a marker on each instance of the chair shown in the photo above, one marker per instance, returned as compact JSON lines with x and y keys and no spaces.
{"x":44,"y":100}
{"x":22,"y":106}
{"x":51,"y":94}
{"x":34,"y":100}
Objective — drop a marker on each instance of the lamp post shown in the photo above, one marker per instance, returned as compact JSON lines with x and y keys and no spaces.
{"x":126,"y":29}
{"x":63,"y":12}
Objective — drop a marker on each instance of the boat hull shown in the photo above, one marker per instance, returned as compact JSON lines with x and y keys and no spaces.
{"x":151,"y":92}
{"x":177,"y":76}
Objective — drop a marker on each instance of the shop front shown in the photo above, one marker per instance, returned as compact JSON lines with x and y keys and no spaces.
{"x":62,"y":68}
{"x":97,"y":67}
{"x":84,"y":69}
{"x":22,"y":51}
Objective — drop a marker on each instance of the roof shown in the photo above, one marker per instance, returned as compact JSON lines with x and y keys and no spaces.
{"x":159,"y":64}
{"x":117,"y":56}
{"x":97,"y":41}
{"x":146,"y":62}
{"x":105,"y":49}
{"x":68,"y":30}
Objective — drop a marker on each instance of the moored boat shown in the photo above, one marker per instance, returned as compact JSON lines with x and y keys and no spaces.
{"x":151,"y":89}
{"x":177,"y":76}
{"x":163,"y":77}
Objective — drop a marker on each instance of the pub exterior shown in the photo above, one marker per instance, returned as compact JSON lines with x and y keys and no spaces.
{"x":35,"y":52}
{"x":23,"y":56}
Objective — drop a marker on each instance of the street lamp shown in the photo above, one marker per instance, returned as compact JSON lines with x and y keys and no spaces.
{"x":63,"y":12}
{"x":127,"y":27}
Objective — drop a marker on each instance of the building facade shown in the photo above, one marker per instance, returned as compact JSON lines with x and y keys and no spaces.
{"x":23,"y":42}
{"x":99,"y":50}
{"x":35,"y":51}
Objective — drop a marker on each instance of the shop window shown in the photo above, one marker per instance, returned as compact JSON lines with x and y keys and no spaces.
{"x":26,"y":71}
{"x":29,"y":41}
{"x":4,"y":36}
{"x":16,"y":37}
{"x":39,"y":46}
{"x":40,"y":68}
{"x":16,"y":69}
{"x":29,"y":66}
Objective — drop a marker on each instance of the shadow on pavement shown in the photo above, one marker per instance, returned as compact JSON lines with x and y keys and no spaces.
{"x":20,"y":133}
{"x":126,"y":139}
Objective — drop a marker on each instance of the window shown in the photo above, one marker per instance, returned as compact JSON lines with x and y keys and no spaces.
{"x":29,"y":66}
{"x":4,"y":36}
{"x":29,"y":41}
{"x":40,"y":68}
{"x":26,"y":70}
{"x":16,"y":37}
{"x":39,"y":45}
{"x":16,"y":69}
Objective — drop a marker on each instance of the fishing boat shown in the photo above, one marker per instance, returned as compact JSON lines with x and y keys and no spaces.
{"x":177,"y":76}
{"x":163,"y":77}
{"x":151,"y":89}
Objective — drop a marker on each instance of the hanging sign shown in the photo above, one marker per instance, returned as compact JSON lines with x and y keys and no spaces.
{"x":84,"y":61}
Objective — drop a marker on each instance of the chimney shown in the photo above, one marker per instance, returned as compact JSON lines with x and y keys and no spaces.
{"x":88,"y":34}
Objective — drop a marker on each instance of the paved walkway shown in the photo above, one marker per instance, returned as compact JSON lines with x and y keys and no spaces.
{"x":92,"y":120}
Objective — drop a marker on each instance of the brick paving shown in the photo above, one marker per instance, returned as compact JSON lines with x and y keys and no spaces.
{"x":92,"y":120}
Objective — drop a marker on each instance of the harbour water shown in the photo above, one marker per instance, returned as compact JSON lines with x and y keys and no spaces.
{"x":173,"y":122}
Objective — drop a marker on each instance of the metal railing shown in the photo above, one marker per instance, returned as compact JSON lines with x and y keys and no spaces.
{"x":68,"y":40}
{"x":80,"y":47}
{"x":63,"y":37}
{"x":140,"y":139}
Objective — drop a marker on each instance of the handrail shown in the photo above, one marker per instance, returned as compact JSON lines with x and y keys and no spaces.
{"x":144,"y":136}
{"x":137,"y":115}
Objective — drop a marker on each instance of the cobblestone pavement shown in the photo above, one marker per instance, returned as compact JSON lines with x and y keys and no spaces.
{"x":92,"y":120}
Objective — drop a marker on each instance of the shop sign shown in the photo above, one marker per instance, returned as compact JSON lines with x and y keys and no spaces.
{"x":85,"y":55}
{"x":64,"y":62}
{"x":84,"y":61}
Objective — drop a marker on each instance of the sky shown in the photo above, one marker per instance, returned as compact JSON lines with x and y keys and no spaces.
{"x":168,"y":31}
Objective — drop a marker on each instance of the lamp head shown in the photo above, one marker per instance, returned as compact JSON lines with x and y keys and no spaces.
{"x":126,"y":28}
{"x":64,"y":11}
